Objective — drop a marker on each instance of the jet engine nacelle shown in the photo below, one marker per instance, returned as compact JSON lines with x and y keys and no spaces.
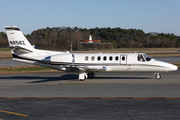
{"x":61,"y":59}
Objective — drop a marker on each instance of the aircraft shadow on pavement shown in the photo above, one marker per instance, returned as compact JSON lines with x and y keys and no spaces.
{"x":43,"y":79}
{"x":70,"y":77}
{"x":123,"y":78}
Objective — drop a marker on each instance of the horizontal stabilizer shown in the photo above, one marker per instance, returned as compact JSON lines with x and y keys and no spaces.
{"x":19,"y":50}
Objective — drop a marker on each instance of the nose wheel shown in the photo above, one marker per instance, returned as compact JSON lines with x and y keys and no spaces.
{"x":157,"y":75}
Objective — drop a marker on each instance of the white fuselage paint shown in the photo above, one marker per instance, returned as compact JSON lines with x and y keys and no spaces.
{"x":97,"y":60}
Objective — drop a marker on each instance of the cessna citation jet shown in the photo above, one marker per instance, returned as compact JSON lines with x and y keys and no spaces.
{"x":85,"y":64}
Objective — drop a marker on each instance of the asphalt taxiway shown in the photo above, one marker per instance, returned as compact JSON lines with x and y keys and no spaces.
{"x":88,"y":109}
{"x":107,"y":96}
{"x":47,"y":96}
{"x":103,"y":85}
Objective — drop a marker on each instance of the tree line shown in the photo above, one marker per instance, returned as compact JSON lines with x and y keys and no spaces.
{"x":62,"y":37}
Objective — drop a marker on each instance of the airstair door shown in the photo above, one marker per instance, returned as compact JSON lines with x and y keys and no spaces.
{"x":73,"y":58}
{"x":123,"y":59}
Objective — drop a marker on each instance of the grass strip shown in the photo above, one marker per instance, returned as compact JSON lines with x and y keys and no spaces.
{"x":5,"y":49}
{"x":25,"y":69}
{"x":177,"y":64}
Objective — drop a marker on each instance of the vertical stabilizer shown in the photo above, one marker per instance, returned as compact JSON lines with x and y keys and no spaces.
{"x":16,"y":38}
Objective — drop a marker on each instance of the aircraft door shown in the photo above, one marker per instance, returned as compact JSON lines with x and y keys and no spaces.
{"x":73,"y":58}
{"x":123,"y":59}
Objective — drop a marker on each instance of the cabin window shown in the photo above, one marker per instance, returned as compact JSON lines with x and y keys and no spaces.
{"x":110,"y":58}
{"x":141,"y":58}
{"x":104,"y":58}
{"x":92,"y":58}
{"x":86,"y":58}
{"x":123,"y":58}
{"x":98,"y":58}
{"x":116,"y":58}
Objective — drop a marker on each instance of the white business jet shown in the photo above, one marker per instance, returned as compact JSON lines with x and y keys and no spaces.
{"x":85,"y":64}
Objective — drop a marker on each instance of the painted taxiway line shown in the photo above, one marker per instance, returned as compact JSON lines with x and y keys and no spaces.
{"x":135,"y":98}
{"x":14,"y":113}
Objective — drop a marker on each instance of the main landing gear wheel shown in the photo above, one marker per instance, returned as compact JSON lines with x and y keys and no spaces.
{"x":91,"y":75}
{"x":157,"y":76}
{"x":84,"y":78}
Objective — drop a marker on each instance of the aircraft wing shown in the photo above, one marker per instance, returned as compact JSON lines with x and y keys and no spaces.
{"x":92,"y":68}
{"x":86,"y":68}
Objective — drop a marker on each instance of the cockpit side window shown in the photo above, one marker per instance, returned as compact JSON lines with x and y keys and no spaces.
{"x":140,"y":58}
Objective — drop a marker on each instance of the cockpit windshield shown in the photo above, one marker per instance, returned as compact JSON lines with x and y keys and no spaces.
{"x":144,"y":57}
{"x":147,"y":57}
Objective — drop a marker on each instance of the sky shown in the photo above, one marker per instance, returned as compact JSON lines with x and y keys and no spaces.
{"x":161,"y":16}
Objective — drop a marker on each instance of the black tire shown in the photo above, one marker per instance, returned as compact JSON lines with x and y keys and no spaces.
{"x":158,"y":76}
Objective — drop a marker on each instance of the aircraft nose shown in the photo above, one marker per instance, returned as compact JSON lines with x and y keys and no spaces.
{"x":173,"y":67}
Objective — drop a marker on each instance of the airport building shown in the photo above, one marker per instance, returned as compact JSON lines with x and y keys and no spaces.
{"x":93,"y":45}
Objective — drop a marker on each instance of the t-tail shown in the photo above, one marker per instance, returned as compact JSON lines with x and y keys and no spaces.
{"x":17,"y":41}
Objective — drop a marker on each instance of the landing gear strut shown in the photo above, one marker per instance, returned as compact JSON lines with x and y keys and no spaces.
{"x":157,"y":75}
{"x":82,"y":75}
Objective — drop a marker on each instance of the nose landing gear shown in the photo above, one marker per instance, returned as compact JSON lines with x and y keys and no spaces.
{"x":157,"y":75}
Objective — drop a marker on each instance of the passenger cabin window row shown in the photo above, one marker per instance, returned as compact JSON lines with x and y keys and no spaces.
{"x":104,"y":58}
{"x":140,"y":57}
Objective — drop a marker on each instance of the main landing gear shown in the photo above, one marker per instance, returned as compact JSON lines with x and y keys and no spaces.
{"x":157,"y":75}
{"x":83,"y":75}
{"x":91,"y":75}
